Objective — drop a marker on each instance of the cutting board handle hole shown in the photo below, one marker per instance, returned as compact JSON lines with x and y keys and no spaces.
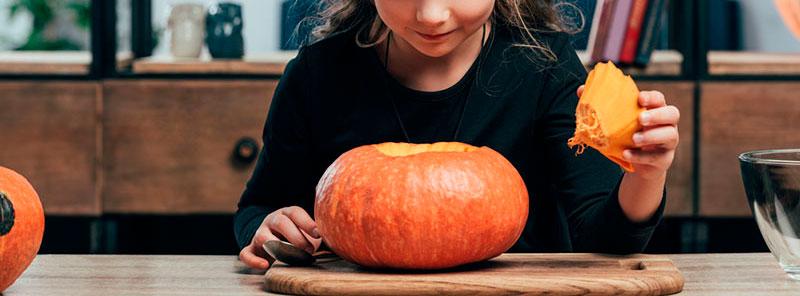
{"x":638,"y":266}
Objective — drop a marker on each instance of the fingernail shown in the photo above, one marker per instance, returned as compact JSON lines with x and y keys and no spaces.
{"x":627,"y":154}
{"x":644,"y":118}
{"x":315,"y":233}
{"x":638,"y":138}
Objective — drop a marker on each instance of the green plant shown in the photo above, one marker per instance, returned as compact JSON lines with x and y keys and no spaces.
{"x":44,"y":12}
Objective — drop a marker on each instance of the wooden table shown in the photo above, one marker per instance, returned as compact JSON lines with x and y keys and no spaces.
{"x":706,"y":274}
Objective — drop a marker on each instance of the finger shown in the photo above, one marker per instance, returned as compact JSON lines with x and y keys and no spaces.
{"x":249,"y":257}
{"x":262,"y":236}
{"x":283,"y":225}
{"x":301,"y":218}
{"x":580,"y":90}
{"x":651,"y":99}
{"x":661,"y":157}
{"x":666,"y":136}
{"x":660,"y":116}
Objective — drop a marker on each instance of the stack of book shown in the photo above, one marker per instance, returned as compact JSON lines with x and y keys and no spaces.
{"x":625,"y":31}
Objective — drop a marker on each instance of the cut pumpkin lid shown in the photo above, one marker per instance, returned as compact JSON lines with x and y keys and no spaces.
{"x":607,"y":114}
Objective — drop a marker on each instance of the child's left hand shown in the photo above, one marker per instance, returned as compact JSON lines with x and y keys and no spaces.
{"x":657,"y":140}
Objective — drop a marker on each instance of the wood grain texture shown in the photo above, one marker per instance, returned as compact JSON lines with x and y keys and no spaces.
{"x":662,"y":63}
{"x":679,"y":179}
{"x":753,"y":63}
{"x":50,"y":133}
{"x":168,"y":145}
{"x":104,"y":275}
{"x":45,"y":62}
{"x":737,"y":117}
{"x":509,"y":274}
{"x":270,"y":63}
{"x":705,"y":274}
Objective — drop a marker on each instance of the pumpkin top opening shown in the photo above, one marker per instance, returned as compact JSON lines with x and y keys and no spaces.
{"x":407,"y":149}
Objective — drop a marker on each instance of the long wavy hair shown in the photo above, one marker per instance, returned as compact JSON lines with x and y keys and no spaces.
{"x":525,"y":17}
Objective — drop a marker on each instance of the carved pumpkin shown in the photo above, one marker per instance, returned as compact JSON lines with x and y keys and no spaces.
{"x":420,"y":206}
{"x":21,"y":226}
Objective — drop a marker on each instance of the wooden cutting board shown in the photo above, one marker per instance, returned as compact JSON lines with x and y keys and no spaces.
{"x":553,"y":274}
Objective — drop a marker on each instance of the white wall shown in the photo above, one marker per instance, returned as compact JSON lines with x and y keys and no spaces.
{"x":763,"y":28}
{"x":261,"y":23}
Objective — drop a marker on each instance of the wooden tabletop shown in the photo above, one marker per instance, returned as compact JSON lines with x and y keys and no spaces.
{"x":705,"y":274}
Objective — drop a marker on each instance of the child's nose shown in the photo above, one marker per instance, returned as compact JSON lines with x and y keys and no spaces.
{"x":432,"y":13}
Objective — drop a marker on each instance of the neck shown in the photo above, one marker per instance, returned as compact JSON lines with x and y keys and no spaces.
{"x":421,"y":72}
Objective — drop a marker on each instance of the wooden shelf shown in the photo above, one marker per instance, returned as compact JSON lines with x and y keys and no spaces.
{"x":753,"y":63}
{"x":662,"y":63}
{"x":271,"y":63}
{"x":45,"y":62}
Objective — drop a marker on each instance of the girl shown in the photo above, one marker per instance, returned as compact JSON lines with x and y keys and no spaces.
{"x":496,"y":73}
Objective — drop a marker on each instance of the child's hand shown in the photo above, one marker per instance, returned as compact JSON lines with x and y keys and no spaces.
{"x":657,"y":140}
{"x":287,"y":224}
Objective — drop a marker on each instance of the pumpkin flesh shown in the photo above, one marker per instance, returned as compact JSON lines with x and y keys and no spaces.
{"x":607,"y":114}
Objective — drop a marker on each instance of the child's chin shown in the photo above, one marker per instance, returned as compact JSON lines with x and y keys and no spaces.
{"x":435,"y":51}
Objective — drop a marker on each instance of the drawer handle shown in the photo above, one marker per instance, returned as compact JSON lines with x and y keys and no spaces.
{"x":246,"y":150}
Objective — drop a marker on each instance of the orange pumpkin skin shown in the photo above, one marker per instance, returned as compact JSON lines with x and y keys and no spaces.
{"x":427,"y":210}
{"x":21,"y":226}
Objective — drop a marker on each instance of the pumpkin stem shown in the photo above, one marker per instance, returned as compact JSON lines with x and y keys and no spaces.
{"x":587,"y":130}
{"x":6,"y":214}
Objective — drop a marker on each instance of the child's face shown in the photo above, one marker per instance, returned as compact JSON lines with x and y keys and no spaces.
{"x":434,"y":27}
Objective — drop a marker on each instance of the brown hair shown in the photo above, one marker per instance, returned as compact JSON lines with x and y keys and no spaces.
{"x":525,"y":17}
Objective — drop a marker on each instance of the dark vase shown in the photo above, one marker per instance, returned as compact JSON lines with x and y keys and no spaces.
{"x":224,"y":31}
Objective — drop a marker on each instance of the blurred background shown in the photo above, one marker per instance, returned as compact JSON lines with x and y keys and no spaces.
{"x":138,"y":121}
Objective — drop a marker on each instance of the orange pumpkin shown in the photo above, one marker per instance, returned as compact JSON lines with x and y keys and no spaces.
{"x":21,"y":226}
{"x":420,"y":206}
{"x":607,"y":115}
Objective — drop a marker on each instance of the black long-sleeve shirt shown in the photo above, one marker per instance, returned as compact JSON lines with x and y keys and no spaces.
{"x":335,"y":96}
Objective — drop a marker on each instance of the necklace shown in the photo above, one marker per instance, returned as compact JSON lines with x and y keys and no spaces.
{"x":466,"y":100}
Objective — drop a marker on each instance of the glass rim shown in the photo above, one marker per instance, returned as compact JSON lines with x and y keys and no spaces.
{"x":757,"y":156}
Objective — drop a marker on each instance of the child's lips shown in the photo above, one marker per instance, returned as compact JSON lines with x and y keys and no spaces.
{"x":434,"y":37}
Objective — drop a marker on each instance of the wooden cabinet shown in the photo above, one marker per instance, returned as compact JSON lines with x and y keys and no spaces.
{"x":681,"y":175}
{"x":49,"y":133}
{"x":736,"y":117}
{"x":170,"y":146}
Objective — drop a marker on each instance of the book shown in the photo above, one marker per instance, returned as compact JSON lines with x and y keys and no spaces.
{"x":633,"y":32}
{"x":724,"y":19}
{"x":602,"y":27}
{"x":650,"y":31}
{"x":616,"y":30}
{"x":595,"y":27}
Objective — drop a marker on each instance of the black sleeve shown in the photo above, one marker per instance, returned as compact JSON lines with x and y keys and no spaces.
{"x":281,"y":175}
{"x":587,"y":185}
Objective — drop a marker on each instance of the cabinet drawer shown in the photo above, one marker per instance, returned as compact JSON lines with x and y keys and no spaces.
{"x":170,"y":146}
{"x":50,"y":135}
{"x":738,"y":117}
{"x":679,"y":180}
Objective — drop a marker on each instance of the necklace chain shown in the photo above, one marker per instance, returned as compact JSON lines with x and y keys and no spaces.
{"x":466,"y":100}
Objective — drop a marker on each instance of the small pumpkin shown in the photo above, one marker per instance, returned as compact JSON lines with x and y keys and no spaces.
{"x":420,"y":206}
{"x":607,"y":115}
{"x":21,"y":226}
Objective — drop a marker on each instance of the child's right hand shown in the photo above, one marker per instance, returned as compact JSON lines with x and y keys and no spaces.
{"x":291,"y":224}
